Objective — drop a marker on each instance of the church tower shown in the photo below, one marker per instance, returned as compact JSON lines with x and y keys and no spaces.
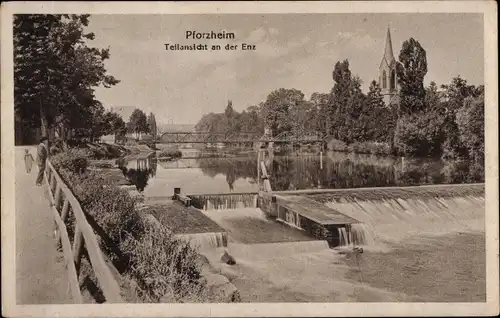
{"x":387,"y":74}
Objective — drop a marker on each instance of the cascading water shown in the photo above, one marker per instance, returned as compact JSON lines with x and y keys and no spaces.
{"x":357,"y":234}
{"x":343,"y":238}
{"x":224,"y":201}
{"x":204,"y":241}
{"x":394,"y":219}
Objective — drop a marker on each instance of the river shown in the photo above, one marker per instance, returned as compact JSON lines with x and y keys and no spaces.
{"x":294,"y":172}
{"x":418,"y":249}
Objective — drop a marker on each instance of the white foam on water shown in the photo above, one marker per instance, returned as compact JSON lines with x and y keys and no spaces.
{"x":204,"y":241}
{"x":393,"y":220}
{"x":294,"y":271}
{"x":251,"y":226}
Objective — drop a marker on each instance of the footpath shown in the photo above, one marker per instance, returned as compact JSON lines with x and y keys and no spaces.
{"x":41,"y":275}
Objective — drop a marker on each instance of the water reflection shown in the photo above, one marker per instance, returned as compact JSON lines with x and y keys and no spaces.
{"x":233,"y":169}
{"x":138,"y":170}
{"x":345,"y":171}
{"x":333,"y":170}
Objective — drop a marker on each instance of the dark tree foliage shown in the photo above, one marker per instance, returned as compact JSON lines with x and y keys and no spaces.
{"x":230,"y":121}
{"x":138,"y":122}
{"x":278,"y":108}
{"x":411,"y":70}
{"x":429,"y":122}
{"x":56,"y":72}
{"x":379,"y":121}
{"x":152,"y":126}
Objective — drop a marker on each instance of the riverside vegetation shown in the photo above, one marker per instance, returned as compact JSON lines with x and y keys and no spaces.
{"x":432,"y":121}
{"x":154,"y":265}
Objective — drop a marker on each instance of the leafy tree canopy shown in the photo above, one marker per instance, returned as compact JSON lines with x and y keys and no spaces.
{"x":56,"y":71}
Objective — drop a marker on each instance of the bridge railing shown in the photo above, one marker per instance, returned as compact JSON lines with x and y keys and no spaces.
{"x":84,"y":237}
{"x":239,"y":137}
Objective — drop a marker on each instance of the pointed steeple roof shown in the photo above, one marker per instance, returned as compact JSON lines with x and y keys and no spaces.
{"x":388,"y":55}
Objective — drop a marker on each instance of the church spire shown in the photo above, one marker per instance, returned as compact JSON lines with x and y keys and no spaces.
{"x":388,"y":55}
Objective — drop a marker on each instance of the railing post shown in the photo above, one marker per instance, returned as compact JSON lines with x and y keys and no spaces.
{"x":77,"y":249}
{"x":57,"y":197}
{"x":64,"y":215}
{"x":52,"y":183}
{"x":48,"y":172}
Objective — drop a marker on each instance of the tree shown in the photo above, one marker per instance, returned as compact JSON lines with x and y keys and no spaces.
{"x":229,"y":111}
{"x":207,"y":123}
{"x":320,"y":112}
{"x":456,"y":93}
{"x":138,"y":122}
{"x":338,"y":98}
{"x":345,"y":105}
{"x":277,"y":109}
{"x":55,"y":72}
{"x":419,"y":134}
{"x":432,"y":97}
{"x":151,"y":121}
{"x":470,"y":124}
{"x":116,"y":124}
{"x":251,"y":120}
{"x":411,"y":70}
{"x":230,"y":121}
{"x":370,"y":113}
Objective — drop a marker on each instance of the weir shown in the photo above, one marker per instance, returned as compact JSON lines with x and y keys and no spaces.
{"x":358,"y":216}
{"x":188,"y":223}
{"x":361,"y":216}
{"x":314,"y":218}
{"x":393,"y":219}
{"x":224,"y":201}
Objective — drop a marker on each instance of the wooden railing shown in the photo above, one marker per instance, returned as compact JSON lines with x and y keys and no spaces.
{"x":84,"y":238}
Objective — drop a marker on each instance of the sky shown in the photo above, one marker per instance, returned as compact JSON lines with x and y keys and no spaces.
{"x":292,"y":51}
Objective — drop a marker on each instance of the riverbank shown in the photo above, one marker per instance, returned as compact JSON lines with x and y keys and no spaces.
{"x":154,"y":264}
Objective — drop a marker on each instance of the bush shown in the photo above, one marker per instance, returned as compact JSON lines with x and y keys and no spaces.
{"x":368,"y":147}
{"x":97,"y":152}
{"x":111,"y":207}
{"x":337,"y":145}
{"x":470,"y":124}
{"x":73,"y":160}
{"x":419,"y":135}
{"x":463,"y":172}
{"x":411,"y":177}
{"x":173,"y":153}
{"x":165,"y":267}
{"x":57,"y":147}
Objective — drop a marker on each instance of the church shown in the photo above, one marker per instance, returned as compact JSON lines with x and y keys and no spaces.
{"x":387,"y":74}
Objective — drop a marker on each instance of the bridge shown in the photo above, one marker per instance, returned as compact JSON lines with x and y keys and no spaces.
{"x":196,"y":137}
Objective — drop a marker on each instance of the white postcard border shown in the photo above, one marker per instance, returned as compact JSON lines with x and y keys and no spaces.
{"x":491,"y":306}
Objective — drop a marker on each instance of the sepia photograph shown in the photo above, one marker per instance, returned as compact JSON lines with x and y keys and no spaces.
{"x":320,"y":157}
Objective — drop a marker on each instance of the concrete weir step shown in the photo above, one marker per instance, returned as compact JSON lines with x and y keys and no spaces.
{"x":314,"y":210}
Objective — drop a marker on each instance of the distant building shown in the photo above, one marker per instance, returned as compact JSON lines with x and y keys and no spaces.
{"x":387,"y":74}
